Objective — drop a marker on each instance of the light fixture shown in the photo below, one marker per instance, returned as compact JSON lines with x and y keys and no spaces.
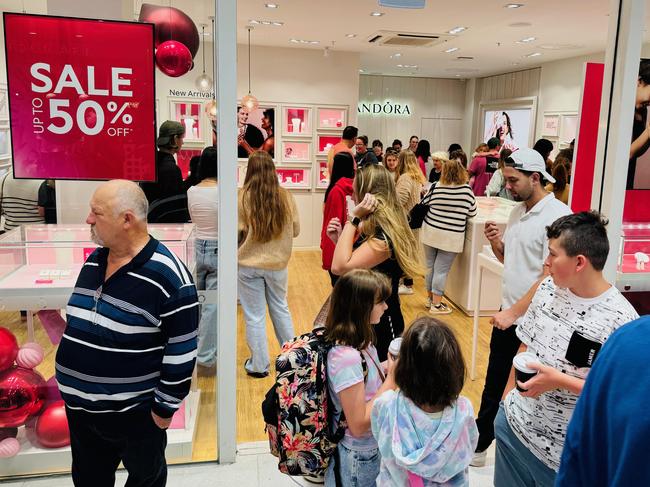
{"x":203,"y":82}
{"x":397,"y":54}
{"x":271,"y":5}
{"x":376,"y":14}
{"x":276,"y":23}
{"x":451,"y":49}
{"x":534,"y":54}
{"x":362,"y":70}
{"x":456,"y":30}
{"x":249,"y":102}
{"x":302,"y":41}
{"x":526,"y":40}
{"x":411,"y":66}
{"x":350,"y":36}
{"x":513,"y":5}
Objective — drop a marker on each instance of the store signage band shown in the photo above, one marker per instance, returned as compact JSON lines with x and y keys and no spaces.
{"x":81,"y":98}
{"x":385,"y":108}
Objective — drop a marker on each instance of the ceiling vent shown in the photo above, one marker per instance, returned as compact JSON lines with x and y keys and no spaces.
{"x":407,"y":39}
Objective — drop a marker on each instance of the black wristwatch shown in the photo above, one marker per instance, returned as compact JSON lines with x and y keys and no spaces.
{"x":355,"y":220}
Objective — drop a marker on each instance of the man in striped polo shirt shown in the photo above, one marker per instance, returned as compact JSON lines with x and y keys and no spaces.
{"x":126,"y":358}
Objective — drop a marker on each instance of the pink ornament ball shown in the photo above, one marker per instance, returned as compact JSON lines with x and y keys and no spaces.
{"x":8,"y":348}
{"x":30,"y":355}
{"x":9,"y":447}
{"x":173,"y":58}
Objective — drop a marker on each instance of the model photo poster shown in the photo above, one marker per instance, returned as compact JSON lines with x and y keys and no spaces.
{"x":511,"y":126}
{"x":255,"y":131}
{"x":638,"y":172}
{"x":81,"y":98}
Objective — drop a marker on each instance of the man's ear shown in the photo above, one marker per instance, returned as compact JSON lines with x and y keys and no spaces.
{"x":581,"y":262}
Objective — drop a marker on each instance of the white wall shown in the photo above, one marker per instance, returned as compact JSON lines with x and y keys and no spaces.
{"x":436,"y":106}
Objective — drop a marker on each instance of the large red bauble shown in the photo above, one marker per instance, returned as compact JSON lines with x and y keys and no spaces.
{"x":52,"y":426}
{"x":171,"y":24}
{"x":8,"y":348}
{"x":22,"y":394}
{"x":173,"y":58}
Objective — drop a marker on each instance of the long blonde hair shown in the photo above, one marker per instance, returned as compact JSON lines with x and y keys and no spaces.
{"x":389,"y":217}
{"x":453,"y":173}
{"x":407,"y":163}
{"x":265,"y":204}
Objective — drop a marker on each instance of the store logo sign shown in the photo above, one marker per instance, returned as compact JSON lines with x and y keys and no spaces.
{"x":385,"y":108}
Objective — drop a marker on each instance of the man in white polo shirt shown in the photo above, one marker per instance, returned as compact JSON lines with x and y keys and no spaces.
{"x":522,"y":249}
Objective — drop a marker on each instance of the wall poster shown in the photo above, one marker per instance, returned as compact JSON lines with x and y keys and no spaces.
{"x":256,"y":131}
{"x":638,"y":172}
{"x":511,"y":126}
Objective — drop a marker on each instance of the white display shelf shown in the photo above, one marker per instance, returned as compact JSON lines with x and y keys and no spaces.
{"x":33,"y":460}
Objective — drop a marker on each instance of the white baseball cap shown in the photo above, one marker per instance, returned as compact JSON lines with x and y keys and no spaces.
{"x":530,"y":160}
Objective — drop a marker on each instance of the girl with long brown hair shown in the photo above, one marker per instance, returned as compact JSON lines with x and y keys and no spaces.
{"x":268,"y":222}
{"x":377,"y":236}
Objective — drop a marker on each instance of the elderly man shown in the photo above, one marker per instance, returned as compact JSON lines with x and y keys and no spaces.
{"x":125,"y":361}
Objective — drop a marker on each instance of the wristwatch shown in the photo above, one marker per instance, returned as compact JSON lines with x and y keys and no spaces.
{"x":355,"y":220}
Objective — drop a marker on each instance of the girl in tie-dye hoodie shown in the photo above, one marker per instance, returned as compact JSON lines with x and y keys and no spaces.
{"x":425,"y":431}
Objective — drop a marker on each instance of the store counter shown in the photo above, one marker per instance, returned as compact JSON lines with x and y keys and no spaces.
{"x":460,"y":282}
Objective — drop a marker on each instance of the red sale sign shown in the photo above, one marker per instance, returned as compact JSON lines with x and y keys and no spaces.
{"x":81,"y":98}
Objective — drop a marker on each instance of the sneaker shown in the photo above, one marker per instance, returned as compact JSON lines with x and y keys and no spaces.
{"x":313,"y":479}
{"x":478,"y":459}
{"x":440,"y":309}
{"x":257,"y":375}
{"x":405,"y":289}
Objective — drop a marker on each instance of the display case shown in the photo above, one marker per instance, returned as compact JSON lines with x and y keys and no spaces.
{"x":634,"y":258}
{"x":296,"y":151}
{"x":325,"y":143}
{"x":322,"y":175}
{"x":296,"y":121}
{"x":332,"y":118}
{"x":189,"y":113}
{"x":460,"y":283}
{"x":39,"y":265}
{"x":294,"y":178}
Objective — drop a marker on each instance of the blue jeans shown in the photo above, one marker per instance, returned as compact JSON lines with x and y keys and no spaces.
{"x":438,"y":265}
{"x":358,"y":468}
{"x":257,"y":289}
{"x":515,"y":464}
{"x":206,"y":279}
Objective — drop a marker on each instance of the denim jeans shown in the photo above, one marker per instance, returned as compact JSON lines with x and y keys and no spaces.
{"x":358,"y":468}
{"x":257,"y":289}
{"x":515,"y":464}
{"x":206,"y":279}
{"x":438,"y":265}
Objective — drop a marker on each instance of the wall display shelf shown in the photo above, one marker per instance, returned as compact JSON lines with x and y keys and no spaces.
{"x":332,"y":118}
{"x":294,"y":177}
{"x":325,"y":142}
{"x":322,"y":177}
{"x":296,"y":121}
{"x":634,"y":258}
{"x":190,"y":114}
{"x":568,"y":128}
{"x":551,"y":126}
{"x":296,"y":151}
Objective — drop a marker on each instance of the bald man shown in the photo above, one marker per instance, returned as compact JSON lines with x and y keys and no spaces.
{"x":126,"y":358}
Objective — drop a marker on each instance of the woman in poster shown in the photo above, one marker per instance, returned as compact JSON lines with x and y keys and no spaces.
{"x":640,"y":127}
{"x":504,"y":133}
{"x":267,"y":124}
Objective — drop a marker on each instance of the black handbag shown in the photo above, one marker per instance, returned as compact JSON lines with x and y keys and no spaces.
{"x":419,"y":211}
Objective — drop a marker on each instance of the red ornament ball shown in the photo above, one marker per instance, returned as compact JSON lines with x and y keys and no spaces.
{"x":22,"y":394}
{"x":8,"y":348}
{"x":171,"y":24}
{"x":173,"y":58}
{"x":52,"y":426}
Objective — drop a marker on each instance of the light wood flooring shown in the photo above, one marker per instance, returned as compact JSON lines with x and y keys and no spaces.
{"x":309,"y":285}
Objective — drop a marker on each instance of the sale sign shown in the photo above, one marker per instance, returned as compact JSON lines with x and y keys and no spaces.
{"x":81,"y":98}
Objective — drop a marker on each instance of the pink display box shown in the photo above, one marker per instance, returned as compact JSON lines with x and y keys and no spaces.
{"x":296,"y":151}
{"x":293,"y":177}
{"x":327,"y":141}
{"x":296,"y":121}
{"x":332,"y":118}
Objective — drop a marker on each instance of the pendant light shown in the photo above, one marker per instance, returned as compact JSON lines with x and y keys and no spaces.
{"x":249,"y":102}
{"x":204,"y":82}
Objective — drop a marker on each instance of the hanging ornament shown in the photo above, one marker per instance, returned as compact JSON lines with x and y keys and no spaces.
{"x":171,"y":24}
{"x":173,"y":58}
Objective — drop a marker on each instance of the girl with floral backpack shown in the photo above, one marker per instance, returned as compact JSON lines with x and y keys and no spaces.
{"x":355,"y":376}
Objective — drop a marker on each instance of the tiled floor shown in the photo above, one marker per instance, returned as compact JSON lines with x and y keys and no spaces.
{"x":255,"y":467}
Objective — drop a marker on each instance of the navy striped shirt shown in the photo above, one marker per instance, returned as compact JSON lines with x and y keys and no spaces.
{"x":130,"y":341}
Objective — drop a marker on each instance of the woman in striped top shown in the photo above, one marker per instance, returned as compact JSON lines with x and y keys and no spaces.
{"x":451,"y":204}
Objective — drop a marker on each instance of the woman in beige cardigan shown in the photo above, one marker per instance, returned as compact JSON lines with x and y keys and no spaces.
{"x":409,"y":190}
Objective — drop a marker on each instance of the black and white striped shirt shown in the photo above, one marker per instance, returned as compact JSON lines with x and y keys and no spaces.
{"x":19,"y":201}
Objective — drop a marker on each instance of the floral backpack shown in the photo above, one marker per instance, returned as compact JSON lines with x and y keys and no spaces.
{"x":297,"y":409}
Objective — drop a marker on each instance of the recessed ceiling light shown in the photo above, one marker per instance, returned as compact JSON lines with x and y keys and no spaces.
{"x":526,"y":40}
{"x":302,"y":41}
{"x":534,"y":54}
{"x":514,"y":5}
{"x":376,"y":14}
{"x":520,"y":24}
{"x":350,"y":36}
{"x":409,"y":66}
{"x":362,"y":70}
{"x":271,"y":5}
{"x":456,"y":30}
{"x":451,"y":49}
{"x":397,"y":54}
{"x":276,"y":23}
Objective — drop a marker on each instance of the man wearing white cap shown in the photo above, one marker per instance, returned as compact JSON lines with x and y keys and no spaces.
{"x":522,"y":249}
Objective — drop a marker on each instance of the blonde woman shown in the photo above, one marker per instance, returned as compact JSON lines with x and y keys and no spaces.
{"x":451,"y":204}
{"x":439,"y":158}
{"x":391,"y":160}
{"x":409,"y":190}
{"x":268,"y":222}
{"x":377,"y":236}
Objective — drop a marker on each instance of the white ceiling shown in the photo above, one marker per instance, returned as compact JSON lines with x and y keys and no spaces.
{"x":576,"y":26}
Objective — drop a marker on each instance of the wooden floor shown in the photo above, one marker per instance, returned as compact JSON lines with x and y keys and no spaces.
{"x":309,"y":285}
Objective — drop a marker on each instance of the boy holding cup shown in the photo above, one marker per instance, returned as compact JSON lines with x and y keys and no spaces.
{"x":571,"y":314}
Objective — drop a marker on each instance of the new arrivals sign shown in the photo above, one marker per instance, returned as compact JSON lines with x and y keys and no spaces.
{"x":81,"y":98}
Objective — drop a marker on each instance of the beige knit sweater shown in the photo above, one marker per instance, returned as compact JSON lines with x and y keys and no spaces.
{"x":272,"y":255}
{"x":408,"y":192}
